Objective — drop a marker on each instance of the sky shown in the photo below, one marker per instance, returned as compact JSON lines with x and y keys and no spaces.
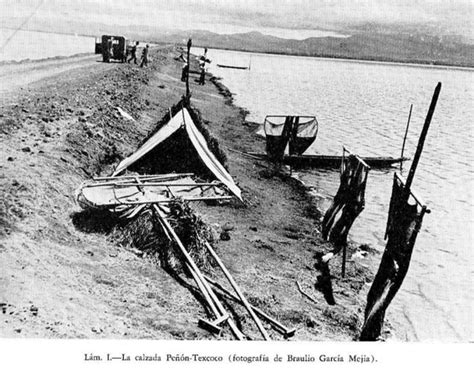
{"x":455,"y":15}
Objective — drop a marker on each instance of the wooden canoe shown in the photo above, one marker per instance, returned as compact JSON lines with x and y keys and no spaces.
{"x":112,"y":192}
{"x":234,"y":67}
{"x":332,"y":161}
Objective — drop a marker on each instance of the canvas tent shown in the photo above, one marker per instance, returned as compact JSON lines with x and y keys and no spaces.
{"x":181,"y":123}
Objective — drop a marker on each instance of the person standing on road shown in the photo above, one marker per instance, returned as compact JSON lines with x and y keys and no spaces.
{"x":202,"y":66}
{"x":144,"y":56}
{"x":184,"y":70}
{"x":133,"y":52}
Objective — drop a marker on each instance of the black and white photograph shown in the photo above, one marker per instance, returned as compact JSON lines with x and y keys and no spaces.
{"x":218,"y":185}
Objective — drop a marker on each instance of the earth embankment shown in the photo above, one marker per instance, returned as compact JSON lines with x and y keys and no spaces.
{"x":62,"y":274}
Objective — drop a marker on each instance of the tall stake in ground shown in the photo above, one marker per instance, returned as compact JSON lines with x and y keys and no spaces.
{"x":405,"y":137}
{"x":404,"y":223}
{"x":421,"y":141}
{"x":190,"y":43}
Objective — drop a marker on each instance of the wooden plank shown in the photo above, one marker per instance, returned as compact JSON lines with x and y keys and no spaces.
{"x":149,"y":184}
{"x":144,"y":177}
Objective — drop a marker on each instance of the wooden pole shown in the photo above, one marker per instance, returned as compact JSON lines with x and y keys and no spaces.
{"x":405,"y":137}
{"x":277,"y":325}
{"x":167,"y":200}
{"x":238,"y":291}
{"x":194,"y":269}
{"x":154,"y":184}
{"x":240,"y":336}
{"x":215,"y":304}
{"x":190,"y":43}
{"x":147,"y":177}
{"x":421,"y":141}
{"x":344,"y":247}
{"x":204,"y":291}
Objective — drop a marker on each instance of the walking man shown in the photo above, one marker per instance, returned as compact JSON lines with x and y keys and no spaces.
{"x":202,"y":66}
{"x":133,"y":52}
{"x":144,"y":56}
{"x":184,"y":71}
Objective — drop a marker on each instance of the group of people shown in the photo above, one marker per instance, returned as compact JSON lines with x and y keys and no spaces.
{"x":203,"y":61}
{"x":133,"y":54}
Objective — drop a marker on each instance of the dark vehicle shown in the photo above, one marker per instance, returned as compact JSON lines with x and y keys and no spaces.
{"x":113,"y":47}
{"x":98,"y":45}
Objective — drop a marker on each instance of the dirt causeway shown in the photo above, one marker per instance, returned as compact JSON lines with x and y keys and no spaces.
{"x":62,"y":276}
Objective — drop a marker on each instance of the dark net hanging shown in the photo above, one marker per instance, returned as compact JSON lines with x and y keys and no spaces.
{"x":296,"y":132}
{"x":348,"y":202}
{"x":405,"y":218}
{"x":303,"y":134}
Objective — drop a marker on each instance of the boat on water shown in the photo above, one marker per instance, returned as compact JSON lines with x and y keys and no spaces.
{"x":288,"y":137}
{"x":234,"y":67}
{"x":332,"y":161}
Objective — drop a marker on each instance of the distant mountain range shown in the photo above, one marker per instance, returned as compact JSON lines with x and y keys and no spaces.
{"x":408,"y":43}
{"x":405,"y":47}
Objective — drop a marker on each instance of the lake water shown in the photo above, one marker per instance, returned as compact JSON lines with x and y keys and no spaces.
{"x":20,"y":45}
{"x":364,"y":106}
{"x":17,"y":45}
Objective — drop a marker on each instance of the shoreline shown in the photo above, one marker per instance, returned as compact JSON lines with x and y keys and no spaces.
{"x":381,"y":60}
{"x":85,"y":285}
{"x":358,"y":60}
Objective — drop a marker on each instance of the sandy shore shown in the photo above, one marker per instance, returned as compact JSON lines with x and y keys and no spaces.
{"x":60,"y":126}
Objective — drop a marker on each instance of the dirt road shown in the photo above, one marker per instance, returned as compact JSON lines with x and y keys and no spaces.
{"x":14,"y":76}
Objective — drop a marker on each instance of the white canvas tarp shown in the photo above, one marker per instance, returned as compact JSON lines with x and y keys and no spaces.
{"x":183,"y":119}
{"x":163,"y":133}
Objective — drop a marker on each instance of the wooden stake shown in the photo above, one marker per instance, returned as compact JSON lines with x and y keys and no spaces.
{"x":405,"y":137}
{"x":190,"y":43}
{"x":421,"y":141}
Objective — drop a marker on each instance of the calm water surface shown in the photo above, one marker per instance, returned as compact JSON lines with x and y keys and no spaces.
{"x":20,"y":45}
{"x":365,"y":106}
